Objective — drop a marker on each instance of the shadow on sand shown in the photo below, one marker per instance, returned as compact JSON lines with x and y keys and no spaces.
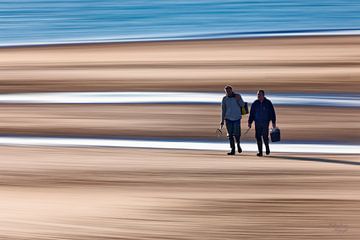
{"x":314,"y":159}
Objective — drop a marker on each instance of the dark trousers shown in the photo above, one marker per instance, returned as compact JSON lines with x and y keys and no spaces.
{"x":233,"y":129}
{"x":262,"y":134}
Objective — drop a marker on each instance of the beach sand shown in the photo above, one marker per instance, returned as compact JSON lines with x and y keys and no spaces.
{"x":305,"y":64}
{"x":171,"y":122}
{"x":118,"y":193}
{"x":107,"y":193}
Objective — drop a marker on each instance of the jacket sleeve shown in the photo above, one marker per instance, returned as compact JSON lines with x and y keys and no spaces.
{"x":240,"y":100}
{"x":223,"y":109}
{"x":273,"y":114}
{"x":252,"y":113}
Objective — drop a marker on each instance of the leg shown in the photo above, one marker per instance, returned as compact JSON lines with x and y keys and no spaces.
{"x":230,"y":130}
{"x":237,"y":134}
{"x":266,"y":139}
{"x":258,"y":133}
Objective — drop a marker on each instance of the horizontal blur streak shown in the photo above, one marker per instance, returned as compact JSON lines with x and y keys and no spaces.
{"x":113,"y":193}
{"x":176,"y":97}
{"x":278,"y":65}
{"x":87,"y":188}
{"x":170,"y":121}
{"x":44,"y":22}
{"x":170,"y":144}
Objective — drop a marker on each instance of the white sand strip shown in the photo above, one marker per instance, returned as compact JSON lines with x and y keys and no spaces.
{"x":189,"y":145}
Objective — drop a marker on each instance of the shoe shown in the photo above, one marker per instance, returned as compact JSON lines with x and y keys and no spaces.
{"x":239,"y":148}
{"x":267,"y":152}
{"x":232,"y":152}
{"x":259,"y":154}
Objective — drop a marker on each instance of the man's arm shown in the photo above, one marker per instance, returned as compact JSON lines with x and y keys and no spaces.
{"x":273,"y":115}
{"x":240,"y":100}
{"x":251,"y":115}
{"x":223,"y":111}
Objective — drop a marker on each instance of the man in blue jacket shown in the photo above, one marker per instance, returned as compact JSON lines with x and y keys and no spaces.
{"x":231,"y":113}
{"x":262,"y":112}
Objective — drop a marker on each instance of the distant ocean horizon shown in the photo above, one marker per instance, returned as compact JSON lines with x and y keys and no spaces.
{"x":44,"y":22}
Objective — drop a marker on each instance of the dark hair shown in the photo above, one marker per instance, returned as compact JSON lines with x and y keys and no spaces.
{"x":228,"y":86}
{"x":262,"y":92}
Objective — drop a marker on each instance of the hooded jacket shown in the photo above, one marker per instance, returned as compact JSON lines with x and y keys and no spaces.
{"x":231,"y":107}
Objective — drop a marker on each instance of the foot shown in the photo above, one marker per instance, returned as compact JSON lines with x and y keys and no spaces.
{"x":239,"y":148}
{"x":267,"y":151}
{"x":259,"y":154}
{"x":267,"y":148}
{"x":231,"y":153}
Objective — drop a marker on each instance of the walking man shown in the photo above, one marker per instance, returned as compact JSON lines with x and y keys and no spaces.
{"x":231,"y":114}
{"x":262,"y":112}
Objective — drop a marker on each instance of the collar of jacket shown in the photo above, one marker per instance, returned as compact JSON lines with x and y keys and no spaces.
{"x":232,"y":95}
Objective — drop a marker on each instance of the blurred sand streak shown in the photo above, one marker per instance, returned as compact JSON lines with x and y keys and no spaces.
{"x":119,"y":193}
{"x":171,"y":121}
{"x":106,"y":193}
{"x":306,"y":64}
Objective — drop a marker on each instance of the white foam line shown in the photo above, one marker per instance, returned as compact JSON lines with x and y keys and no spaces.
{"x":186,"y":36}
{"x":172,"y":97}
{"x":186,"y":145}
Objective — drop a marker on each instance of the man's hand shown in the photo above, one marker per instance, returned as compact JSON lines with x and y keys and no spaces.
{"x":249,"y":125}
{"x":222,"y":124}
{"x":274,"y":125}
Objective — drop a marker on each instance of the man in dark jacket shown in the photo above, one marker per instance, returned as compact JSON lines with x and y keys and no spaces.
{"x":262,"y":112}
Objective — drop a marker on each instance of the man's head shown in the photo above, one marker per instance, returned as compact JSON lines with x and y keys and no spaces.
{"x":261,"y":95}
{"x":228,"y":90}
